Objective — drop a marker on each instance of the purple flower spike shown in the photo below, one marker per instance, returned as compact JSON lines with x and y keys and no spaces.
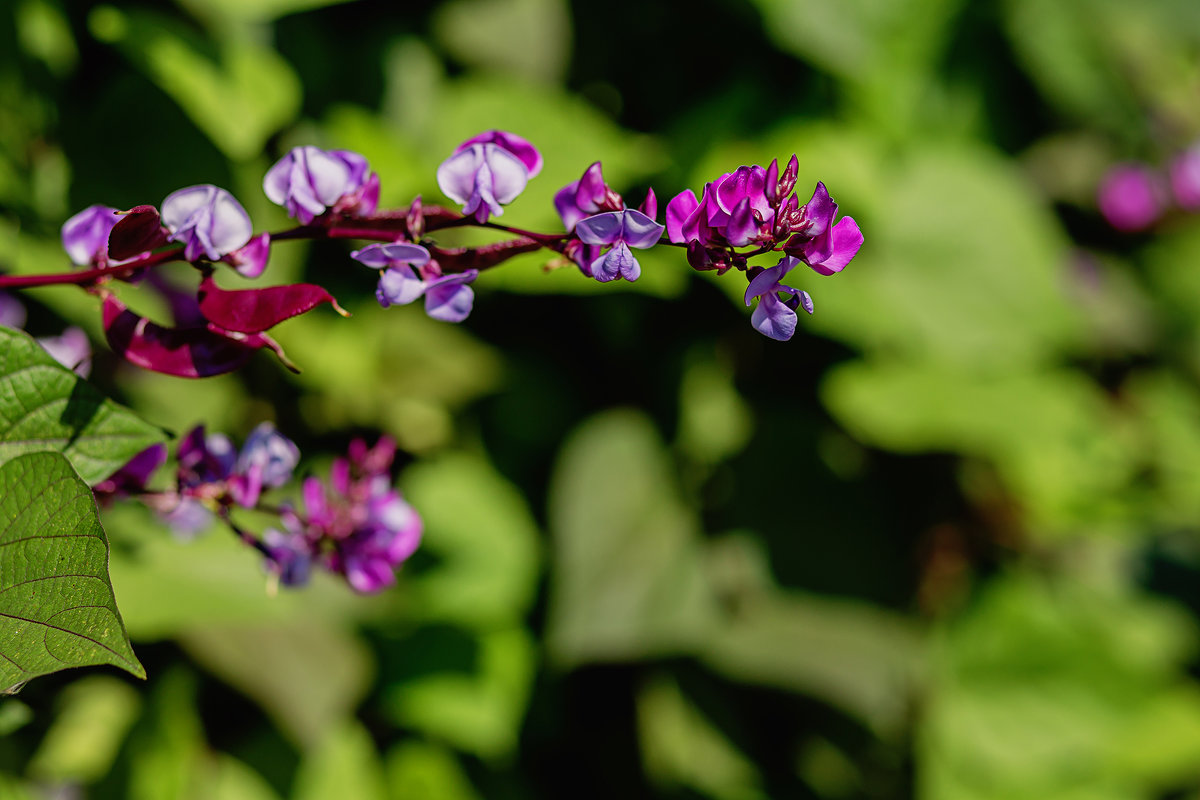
{"x":775,"y":317}
{"x":482,"y":178}
{"x":1130,"y":197}
{"x":622,"y":230}
{"x":72,"y":350}
{"x":85,"y":235}
{"x":208,"y":220}
{"x":291,"y":556}
{"x":519,"y":147}
{"x":408,"y":274}
{"x":309,"y":181}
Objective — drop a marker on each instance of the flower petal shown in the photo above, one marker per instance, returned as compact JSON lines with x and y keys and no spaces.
{"x":845,"y":240}
{"x":450,"y":299}
{"x":603,"y":228}
{"x":681,"y":207}
{"x":774,"y":319}
{"x":399,"y":285}
{"x":639,"y":230}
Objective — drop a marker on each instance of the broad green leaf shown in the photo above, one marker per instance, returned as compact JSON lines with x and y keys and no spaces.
{"x":344,"y":764}
{"x":714,"y":421}
{"x":44,"y":406}
{"x":168,"y":745}
{"x":417,"y":769}
{"x":57,"y":608}
{"x":229,"y":779}
{"x":253,"y":10}
{"x":484,"y":538}
{"x":628,"y":577}
{"x":681,"y":747}
{"x":239,"y":99}
{"x":45,"y":34}
{"x":528,"y":39}
{"x":95,"y":715}
{"x":307,"y":676}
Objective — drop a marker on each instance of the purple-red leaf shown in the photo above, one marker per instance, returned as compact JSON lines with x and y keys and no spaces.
{"x":256,"y":310}
{"x":197,"y":352}
{"x":138,"y":231}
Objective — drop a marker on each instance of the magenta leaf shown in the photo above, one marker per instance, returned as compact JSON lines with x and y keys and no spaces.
{"x":138,"y":231}
{"x":197,"y":352}
{"x":256,"y":310}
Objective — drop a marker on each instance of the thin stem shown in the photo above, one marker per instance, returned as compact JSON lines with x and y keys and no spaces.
{"x":91,"y":276}
{"x":243,"y":534}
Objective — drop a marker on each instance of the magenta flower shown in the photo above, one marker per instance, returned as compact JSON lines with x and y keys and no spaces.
{"x":1130,"y":197}
{"x":734,"y":210}
{"x":587,"y":196}
{"x":1185,"y":178}
{"x":207,"y":220}
{"x":309,"y":181}
{"x":622,"y":230}
{"x":775,"y":316}
{"x":409,"y":274}
{"x":85,"y":235}
{"x":134,"y":475}
{"x":823,"y":245}
{"x":488,"y":171}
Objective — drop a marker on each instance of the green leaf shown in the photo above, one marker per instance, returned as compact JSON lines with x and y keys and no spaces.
{"x":345,"y":764}
{"x":529,"y":39}
{"x":95,"y":715}
{"x":420,"y":769}
{"x":44,"y":406}
{"x":57,"y":608}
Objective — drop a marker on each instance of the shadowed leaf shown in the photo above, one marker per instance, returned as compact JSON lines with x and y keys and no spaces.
{"x":138,"y":231}
{"x":256,"y":310}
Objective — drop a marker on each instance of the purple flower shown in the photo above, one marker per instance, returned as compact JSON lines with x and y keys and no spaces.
{"x":734,"y":210}
{"x":186,"y":517}
{"x":204,"y":460}
{"x":251,"y":259}
{"x":290,"y":556}
{"x":309,"y":181}
{"x":12,"y":313}
{"x":132,"y":478}
{"x":587,"y":196}
{"x":487,"y":171}
{"x":72,"y":350}
{"x":1130,"y":197}
{"x":776,"y":317}
{"x":1185,"y":178}
{"x":408,"y":274}
{"x":208,"y":220}
{"x":267,"y":460}
{"x":823,"y":245}
{"x":85,"y":235}
{"x":389,"y":535}
{"x":622,"y":230}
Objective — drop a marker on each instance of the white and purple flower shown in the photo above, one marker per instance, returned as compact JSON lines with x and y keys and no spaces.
{"x":488,"y":171}
{"x":775,"y":316}
{"x":207,"y":220}
{"x":408,"y":274}
{"x":309,"y":181}
{"x":622,"y":230}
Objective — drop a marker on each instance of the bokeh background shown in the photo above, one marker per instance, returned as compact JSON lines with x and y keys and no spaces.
{"x":942,"y":545}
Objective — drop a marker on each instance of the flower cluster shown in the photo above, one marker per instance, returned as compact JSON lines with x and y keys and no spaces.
{"x":354,"y":524}
{"x":1132,"y":196}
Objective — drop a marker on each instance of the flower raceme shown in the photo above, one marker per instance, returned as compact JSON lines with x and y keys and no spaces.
{"x":309,"y":182}
{"x":622,"y":230}
{"x":407,"y":273}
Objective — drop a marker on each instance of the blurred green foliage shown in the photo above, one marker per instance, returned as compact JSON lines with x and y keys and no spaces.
{"x":943,"y":545}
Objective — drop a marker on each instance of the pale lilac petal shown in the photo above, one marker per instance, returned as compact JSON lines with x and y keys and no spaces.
{"x":231,"y":226}
{"x":769,"y":279}
{"x":12,"y":312}
{"x":639,"y":230}
{"x":85,"y":235}
{"x":72,"y":350}
{"x":844,"y":241}
{"x":450,"y":299}
{"x":773,"y":318}
{"x":591,"y":189}
{"x":378,"y":256}
{"x":681,"y":207}
{"x":564,"y":204}
{"x":399,"y":285}
{"x":269,"y":449}
{"x":601,"y":228}
{"x":456,"y":175}
{"x":279,"y":178}
{"x":328,"y":174}
{"x":529,"y":156}
{"x":251,"y":260}
{"x":179,"y":207}
{"x":207,"y":220}
{"x":617,"y":262}
{"x":509,"y":175}
{"x":356,"y":163}
{"x":805,"y":301}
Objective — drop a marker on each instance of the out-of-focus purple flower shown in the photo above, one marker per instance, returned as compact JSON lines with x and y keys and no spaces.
{"x":72,"y":349}
{"x":132,"y":478}
{"x":587,"y":196}
{"x":309,"y":181}
{"x":187,"y":517}
{"x":205,"y":459}
{"x":488,"y":171}
{"x":1185,"y":178}
{"x":290,"y":556}
{"x":85,"y":235}
{"x":12,"y":312}
{"x":408,"y":274}
{"x":775,"y":316}
{"x":1130,"y":197}
{"x":266,"y":461}
{"x":207,"y":220}
{"x":251,"y":259}
{"x":622,"y":230}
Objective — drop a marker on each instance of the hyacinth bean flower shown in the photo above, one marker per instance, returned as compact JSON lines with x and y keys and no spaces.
{"x":622,"y":230}
{"x":1130,"y":197}
{"x":408,"y":274}
{"x":775,"y":317}
{"x":266,"y":461}
{"x":734,"y":210}
{"x":1185,"y":178}
{"x":85,"y":235}
{"x":488,"y":171}
{"x":134,"y":475}
{"x":587,"y":196}
{"x":207,"y":220}
{"x":72,"y":349}
{"x":12,"y":312}
{"x":309,"y":181}
{"x":823,"y":245}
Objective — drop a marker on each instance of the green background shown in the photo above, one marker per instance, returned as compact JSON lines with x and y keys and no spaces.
{"x":942,"y":545}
